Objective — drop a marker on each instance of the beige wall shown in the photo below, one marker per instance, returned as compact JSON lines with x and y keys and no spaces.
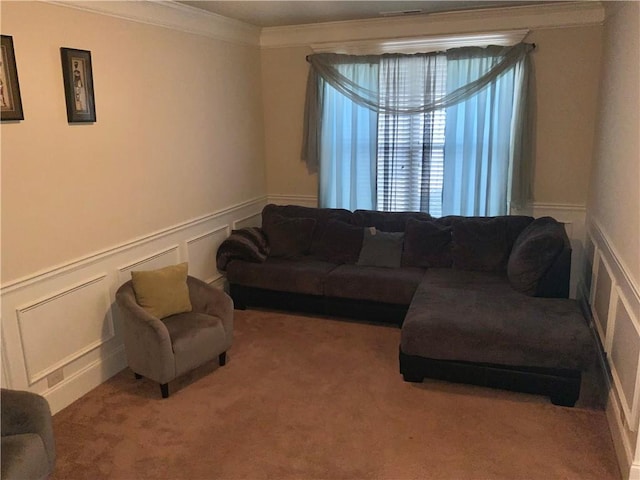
{"x":567,"y":63}
{"x":284,"y":84}
{"x":614,"y":200}
{"x":567,"y":69}
{"x":178,"y":135}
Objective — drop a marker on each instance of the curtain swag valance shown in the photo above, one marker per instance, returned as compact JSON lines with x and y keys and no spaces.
{"x":325,"y":67}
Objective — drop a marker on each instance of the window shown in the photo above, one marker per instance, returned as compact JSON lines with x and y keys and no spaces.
{"x":441,"y":133}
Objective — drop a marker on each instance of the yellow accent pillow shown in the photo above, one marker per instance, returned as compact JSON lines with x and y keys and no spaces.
{"x":162,"y":292}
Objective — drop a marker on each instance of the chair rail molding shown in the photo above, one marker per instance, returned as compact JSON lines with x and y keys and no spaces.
{"x":78,"y":298}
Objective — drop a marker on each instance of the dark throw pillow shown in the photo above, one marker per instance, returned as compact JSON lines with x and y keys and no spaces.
{"x":341,"y":242}
{"x":289,"y":237}
{"x":426,"y":244}
{"x":533,"y":254}
{"x":480,"y":244}
{"x":381,"y":249}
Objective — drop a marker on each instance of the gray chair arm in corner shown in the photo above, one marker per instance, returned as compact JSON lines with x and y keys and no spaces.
{"x":28,"y":444}
{"x":212,"y":301}
{"x":146,"y":338}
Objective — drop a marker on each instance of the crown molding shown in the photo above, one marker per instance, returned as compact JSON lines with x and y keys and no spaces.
{"x":430,"y":43}
{"x":173,"y":15}
{"x":561,"y":15}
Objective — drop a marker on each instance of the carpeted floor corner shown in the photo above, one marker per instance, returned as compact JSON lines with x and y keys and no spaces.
{"x":315,"y":398}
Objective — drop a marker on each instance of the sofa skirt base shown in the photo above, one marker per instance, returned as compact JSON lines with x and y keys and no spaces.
{"x":562,"y":386}
{"x":378,"y":312}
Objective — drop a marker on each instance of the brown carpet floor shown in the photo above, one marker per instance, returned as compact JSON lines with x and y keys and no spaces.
{"x":316,"y":398}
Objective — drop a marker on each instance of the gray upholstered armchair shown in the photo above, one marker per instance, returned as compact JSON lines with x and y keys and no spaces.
{"x":28,"y":447}
{"x":163,"y":349}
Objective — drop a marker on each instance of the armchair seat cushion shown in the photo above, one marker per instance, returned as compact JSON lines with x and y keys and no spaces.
{"x":193,"y":336}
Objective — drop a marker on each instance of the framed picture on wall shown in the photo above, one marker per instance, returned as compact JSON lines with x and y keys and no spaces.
{"x":10,"y":100}
{"x":78,"y":85}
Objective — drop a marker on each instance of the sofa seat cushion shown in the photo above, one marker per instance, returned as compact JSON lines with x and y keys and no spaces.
{"x":296,"y":276}
{"x":377,"y":284}
{"x":492,"y":323}
{"x":452,"y":276}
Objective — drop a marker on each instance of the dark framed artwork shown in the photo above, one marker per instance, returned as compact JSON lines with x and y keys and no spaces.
{"x":78,"y":85}
{"x":10,"y":100}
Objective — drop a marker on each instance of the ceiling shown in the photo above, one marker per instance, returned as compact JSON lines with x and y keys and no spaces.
{"x":281,"y":13}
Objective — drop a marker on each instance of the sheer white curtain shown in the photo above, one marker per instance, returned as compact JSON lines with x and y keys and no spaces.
{"x":478,"y":138}
{"x":402,"y":132}
{"x":347,"y":169}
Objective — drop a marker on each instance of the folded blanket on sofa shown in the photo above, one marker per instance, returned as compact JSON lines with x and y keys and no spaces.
{"x":248,"y":244}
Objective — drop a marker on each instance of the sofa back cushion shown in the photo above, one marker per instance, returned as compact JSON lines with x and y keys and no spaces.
{"x":289,"y":237}
{"x":386,"y":221}
{"x":426,"y":244}
{"x":341,"y":243}
{"x":480,"y":244}
{"x":534,"y":253}
{"x":320,"y":215}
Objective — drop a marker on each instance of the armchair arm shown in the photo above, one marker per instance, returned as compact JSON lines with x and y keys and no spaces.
{"x":146,"y":339}
{"x":27,"y":412}
{"x":212,"y":301}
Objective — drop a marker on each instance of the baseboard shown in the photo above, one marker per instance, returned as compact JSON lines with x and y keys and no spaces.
{"x":82,"y":382}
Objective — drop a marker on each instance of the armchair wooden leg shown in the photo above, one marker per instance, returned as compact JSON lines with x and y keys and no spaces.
{"x":137,"y":375}
{"x":222,"y":358}
{"x":164,"y":389}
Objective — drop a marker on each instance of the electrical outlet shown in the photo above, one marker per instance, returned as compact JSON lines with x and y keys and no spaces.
{"x":55,"y":377}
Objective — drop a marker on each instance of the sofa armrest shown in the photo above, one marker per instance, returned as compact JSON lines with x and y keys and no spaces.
{"x":249,"y":244}
{"x":540,"y":262}
{"x":27,"y":412}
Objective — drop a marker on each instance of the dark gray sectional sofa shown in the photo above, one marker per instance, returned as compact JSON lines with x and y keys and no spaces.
{"x":480,"y":300}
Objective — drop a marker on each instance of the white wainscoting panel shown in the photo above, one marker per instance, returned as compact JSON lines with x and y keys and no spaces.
{"x":601,"y":300}
{"x":164,"y":258}
{"x":60,"y":330}
{"x":250,"y":221}
{"x":201,"y":252}
{"x":614,"y":302}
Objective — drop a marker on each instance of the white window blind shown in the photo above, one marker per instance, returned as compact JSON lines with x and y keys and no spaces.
{"x":410,"y":150}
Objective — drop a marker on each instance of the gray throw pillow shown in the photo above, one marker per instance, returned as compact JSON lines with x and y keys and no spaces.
{"x":381,"y":249}
{"x":533,"y":254}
